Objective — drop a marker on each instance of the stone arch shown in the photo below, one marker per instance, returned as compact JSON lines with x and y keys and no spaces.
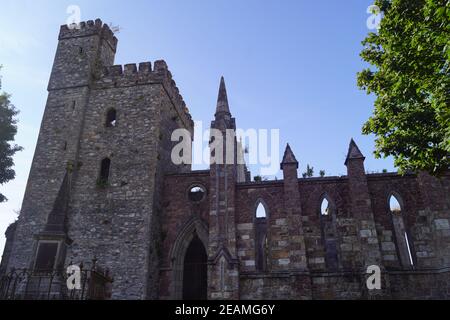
{"x":329,"y":233}
{"x":195,"y":226}
{"x":402,"y":236}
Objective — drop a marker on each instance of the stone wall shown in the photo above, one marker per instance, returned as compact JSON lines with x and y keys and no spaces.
{"x":179,"y":214}
{"x":420,"y":285}
{"x":281,"y":281}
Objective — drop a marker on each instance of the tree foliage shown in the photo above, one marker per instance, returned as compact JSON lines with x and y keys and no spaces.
{"x":309,"y":173}
{"x":8,"y":130}
{"x":410,"y":76}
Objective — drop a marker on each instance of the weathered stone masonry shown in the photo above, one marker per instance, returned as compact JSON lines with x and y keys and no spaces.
{"x":102,"y":185}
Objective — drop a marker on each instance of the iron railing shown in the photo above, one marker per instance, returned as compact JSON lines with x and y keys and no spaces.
{"x":25,"y":284}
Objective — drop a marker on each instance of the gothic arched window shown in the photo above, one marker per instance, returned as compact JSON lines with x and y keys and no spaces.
{"x":325,"y":207}
{"x":260,"y":211}
{"x":394,"y":205}
{"x":404,"y":249}
{"x":329,"y":232}
{"x":261,"y":241}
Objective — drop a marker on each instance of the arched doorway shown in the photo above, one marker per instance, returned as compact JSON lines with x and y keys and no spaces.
{"x":195,"y":271}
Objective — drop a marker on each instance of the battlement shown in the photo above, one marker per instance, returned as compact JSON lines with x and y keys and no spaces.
{"x":143,"y":69}
{"x":133,"y":74}
{"x":89,"y":28}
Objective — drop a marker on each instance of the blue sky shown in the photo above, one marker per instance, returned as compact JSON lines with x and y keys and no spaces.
{"x":287,"y":64}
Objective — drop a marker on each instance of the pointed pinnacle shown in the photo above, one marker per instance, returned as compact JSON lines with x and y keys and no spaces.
{"x":288,"y":157}
{"x":222,"y":99}
{"x":353,"y":152}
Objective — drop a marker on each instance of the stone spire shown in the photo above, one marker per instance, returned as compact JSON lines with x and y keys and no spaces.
{"x":289,"y":157}
{"x":222,"y":100}
{"x":353,"y":152}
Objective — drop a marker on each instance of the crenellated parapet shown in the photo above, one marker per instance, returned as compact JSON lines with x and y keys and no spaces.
{"x":89,"y":28}
{"x":133,"y":74}
{"x":127,"y":75}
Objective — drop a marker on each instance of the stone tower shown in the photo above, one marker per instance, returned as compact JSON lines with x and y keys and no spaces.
{"x":104,"y":146}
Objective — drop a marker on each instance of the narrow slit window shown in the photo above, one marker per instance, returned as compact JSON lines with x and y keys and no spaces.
{"x":104,"y":170}
{"x":261,"y":248}
{"x":111,"y":118}
{"x":329,"y":233}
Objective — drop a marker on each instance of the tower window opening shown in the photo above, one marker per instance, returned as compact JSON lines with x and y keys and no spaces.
{"x":46,"y":256}
{"x":104,"y":171}
{"x":111,"y":118}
